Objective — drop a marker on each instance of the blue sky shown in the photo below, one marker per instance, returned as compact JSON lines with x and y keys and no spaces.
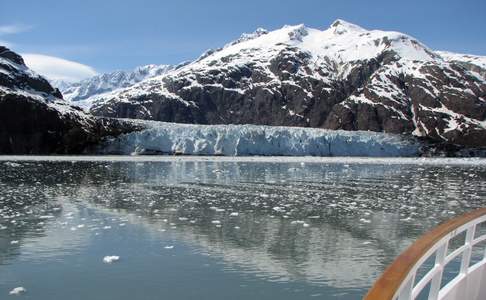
{"x":122,"y":34}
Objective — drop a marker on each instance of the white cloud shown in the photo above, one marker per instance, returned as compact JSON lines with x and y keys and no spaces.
{"x":56,"y":68}
{"x":13,"y":29}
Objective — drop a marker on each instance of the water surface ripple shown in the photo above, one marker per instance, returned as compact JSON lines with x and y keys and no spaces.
{"x":219,"y":228}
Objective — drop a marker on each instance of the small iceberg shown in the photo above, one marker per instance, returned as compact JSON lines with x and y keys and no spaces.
{"x":17,"y":291}
{"x":111,"y":259}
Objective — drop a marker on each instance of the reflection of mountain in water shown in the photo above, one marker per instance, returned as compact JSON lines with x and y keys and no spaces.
{"x":359,"y":216}
{"x":348,"y":245}
{"x":23,"y":213}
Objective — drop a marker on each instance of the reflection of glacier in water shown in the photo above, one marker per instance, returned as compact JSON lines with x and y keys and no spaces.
{"x":332,"y":227}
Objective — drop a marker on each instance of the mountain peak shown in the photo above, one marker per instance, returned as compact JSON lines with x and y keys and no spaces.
{"x":340,"y":26}
{"x":297,"y":32}
{"x":249,"y":36}
{"x":10,"y":55}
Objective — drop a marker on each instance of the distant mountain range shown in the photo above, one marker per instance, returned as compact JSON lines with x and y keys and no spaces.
{"x":108,"y":82}
{"x":343,"y":77}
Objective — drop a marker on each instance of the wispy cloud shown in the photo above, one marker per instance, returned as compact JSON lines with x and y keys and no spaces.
{"x":14,"y":28}
{"x":56,"y":68}
{"x":10,"y":30}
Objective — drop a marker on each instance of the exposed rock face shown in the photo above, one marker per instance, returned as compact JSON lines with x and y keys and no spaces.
{"x":15,"y":75}
{"x":344,"y":77}
{"x":35,"y":120}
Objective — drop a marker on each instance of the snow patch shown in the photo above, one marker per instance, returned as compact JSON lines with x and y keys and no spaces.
{"x":479,"y":61}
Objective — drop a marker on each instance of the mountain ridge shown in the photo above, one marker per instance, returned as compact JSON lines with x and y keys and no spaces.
{"x":108,"y":82}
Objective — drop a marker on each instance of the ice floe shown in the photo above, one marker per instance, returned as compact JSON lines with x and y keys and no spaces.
{"x":111,"y":259}
{"x":17,"y":291}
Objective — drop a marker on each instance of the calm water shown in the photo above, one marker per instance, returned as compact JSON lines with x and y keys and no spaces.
{"x":216,"y":228}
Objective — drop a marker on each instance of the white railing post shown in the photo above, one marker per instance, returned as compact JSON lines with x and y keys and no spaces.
{"x":484,"y":254}
{"x":466,"y":255}
{"x":461,"y":292}
{"x":436,"y":281}
{"x":406,"y":292}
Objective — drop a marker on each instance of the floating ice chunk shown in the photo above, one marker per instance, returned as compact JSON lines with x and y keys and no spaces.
{"x":12,"y":164}
{"x":297,"y":222}
{"x":453,"y":203}
{"x":17,"y":291}
{"x":169,"y":247}
{"x":111,"y":259}
{"x":14,"y":242}
{"x":81,"y":226}
{"x":219,"y":209}
{"x":236,"y":227}
{"x":234,"y":214}
{"x":305,"y":225}
{"x":216,"y":222}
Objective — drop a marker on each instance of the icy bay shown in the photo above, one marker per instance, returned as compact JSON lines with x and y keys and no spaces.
{"x":218,"y":228}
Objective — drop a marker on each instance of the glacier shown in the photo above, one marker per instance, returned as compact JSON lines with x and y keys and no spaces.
{"x":256,"y":140}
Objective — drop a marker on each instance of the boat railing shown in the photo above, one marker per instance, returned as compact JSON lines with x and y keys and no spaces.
{"x":401,"y":280}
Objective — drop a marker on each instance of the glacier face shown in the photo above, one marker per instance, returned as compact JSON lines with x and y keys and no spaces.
{"x":243,"y":140}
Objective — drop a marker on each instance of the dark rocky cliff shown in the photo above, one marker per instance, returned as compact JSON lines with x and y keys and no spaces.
{"x":35,"y":120}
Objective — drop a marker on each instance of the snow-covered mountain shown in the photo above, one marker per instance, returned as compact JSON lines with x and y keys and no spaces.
{"x":34,"y":119}
{"x":108,"y":82}
{"x":343,"y":77}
